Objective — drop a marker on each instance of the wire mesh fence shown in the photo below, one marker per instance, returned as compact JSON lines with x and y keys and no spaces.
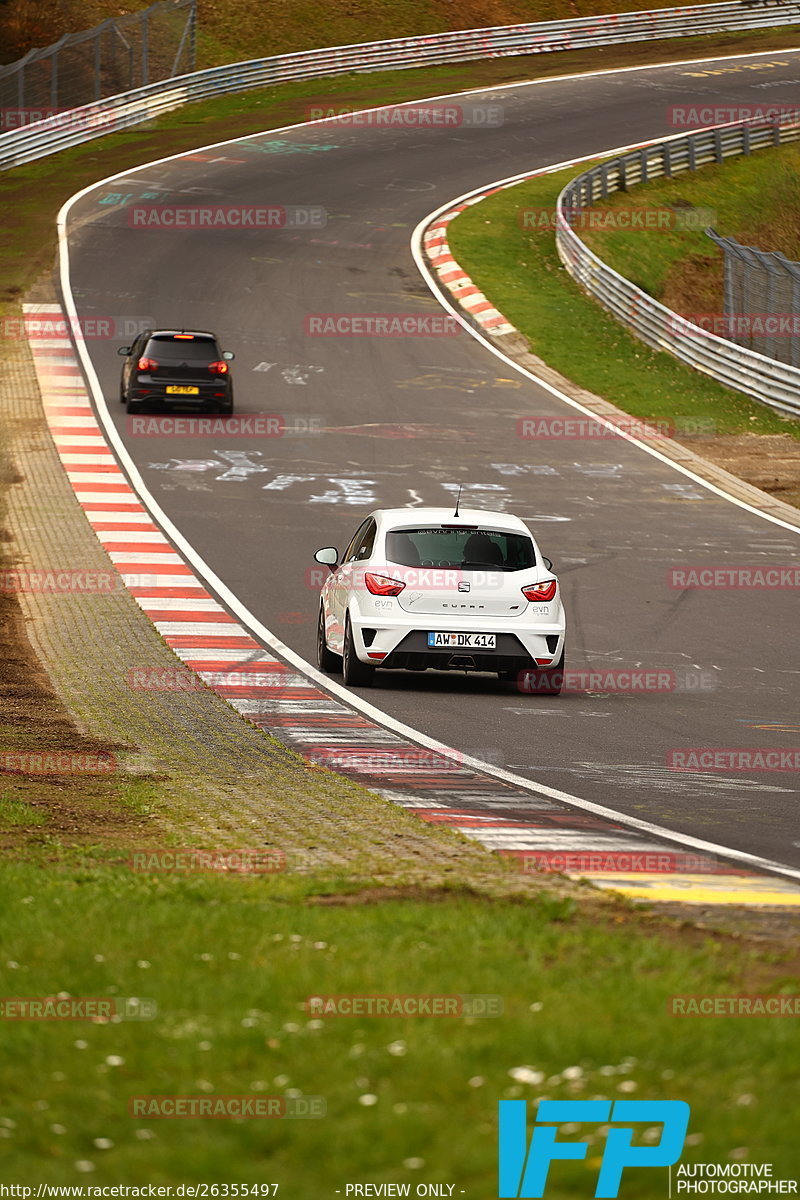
{"x":762,"y":300}
{"x":121,"y":54}
{"x":136,"y":105}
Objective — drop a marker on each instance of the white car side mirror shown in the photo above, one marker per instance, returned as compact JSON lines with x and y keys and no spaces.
{"x":328,"y":556}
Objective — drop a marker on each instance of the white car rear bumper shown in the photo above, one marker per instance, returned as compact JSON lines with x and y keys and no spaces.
{"x":377,"y":636}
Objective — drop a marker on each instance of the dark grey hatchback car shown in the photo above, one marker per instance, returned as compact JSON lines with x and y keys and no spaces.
{"x":168,"y":368}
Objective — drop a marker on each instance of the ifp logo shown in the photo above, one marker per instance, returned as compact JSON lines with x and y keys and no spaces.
{"x":524,"y":1170}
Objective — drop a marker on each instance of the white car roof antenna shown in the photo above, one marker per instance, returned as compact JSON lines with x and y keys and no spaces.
{"x":458,"y":501}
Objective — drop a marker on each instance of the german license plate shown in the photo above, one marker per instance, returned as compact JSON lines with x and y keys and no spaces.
{"x":462,"y":641}
{"x":174,"y":390}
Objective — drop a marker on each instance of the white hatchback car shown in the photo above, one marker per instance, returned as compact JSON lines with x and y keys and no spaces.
{"x":422,"y":587}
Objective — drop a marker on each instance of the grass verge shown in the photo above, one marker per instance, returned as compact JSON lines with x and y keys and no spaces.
{"x":754,"y":198}
{"x":231,"y":30}
{"x":230,"y":963}
{"x":520,"y":271}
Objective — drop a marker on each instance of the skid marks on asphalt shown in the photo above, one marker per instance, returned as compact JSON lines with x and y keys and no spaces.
{"x":686,"y":784}
{"x":297,"y":374}
{"x":437,"y":381}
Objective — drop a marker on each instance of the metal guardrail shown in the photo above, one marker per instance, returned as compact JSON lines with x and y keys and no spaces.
{"x":773,"y":383}
{"x":130,"y":108}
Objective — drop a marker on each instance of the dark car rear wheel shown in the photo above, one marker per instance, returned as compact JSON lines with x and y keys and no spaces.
{"x":356,"y":673}
{"x":327,"y":661}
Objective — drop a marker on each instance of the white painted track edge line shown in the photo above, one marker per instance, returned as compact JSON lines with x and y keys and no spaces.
{"x":260,"y":631}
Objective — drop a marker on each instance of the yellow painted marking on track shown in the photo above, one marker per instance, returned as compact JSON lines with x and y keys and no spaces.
{"x":735,"y":70}
{"x":702,"y":889}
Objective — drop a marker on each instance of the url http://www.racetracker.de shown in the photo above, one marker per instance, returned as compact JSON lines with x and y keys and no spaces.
{"x":193,"y":1191}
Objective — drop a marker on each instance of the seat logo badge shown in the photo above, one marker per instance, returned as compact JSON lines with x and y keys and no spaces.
{"x":463,"y":587}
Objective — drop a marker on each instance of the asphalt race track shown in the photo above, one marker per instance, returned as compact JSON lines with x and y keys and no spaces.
{"x":403,"y":421}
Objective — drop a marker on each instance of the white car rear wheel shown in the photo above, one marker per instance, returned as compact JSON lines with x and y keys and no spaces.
{"x":327,"y":661}
{"x":356,"y":673}
{"x":550,"y":681}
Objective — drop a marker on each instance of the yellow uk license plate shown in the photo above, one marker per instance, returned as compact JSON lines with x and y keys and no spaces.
{"x":174,"y":390}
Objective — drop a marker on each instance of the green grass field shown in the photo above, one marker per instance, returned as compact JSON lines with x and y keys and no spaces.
{"x":230,"y":961}
{"x":230,"y":964}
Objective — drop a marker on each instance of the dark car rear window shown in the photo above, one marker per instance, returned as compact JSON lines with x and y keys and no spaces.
{"x":166,"y":349}
{"x":464,"y":548}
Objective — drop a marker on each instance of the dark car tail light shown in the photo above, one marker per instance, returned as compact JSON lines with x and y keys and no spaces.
{"x":382,"y":585}
{"x":218,"y":368}
{"x":147,"y":364}
{"x":541,"y":591}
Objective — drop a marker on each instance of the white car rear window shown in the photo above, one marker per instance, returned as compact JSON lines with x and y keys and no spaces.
{"x":466,"y":548}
